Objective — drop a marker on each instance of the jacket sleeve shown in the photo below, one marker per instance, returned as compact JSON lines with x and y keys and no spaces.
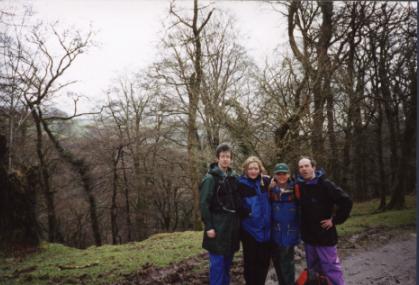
{"x":205,"y":196}
{"x":243,"y":211}
{"x":343,"y":202}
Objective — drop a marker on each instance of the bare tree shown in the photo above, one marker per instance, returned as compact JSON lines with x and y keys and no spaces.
{"x":129,"y":111}
{"x":185,"y":75}
{"x":38,"y":77}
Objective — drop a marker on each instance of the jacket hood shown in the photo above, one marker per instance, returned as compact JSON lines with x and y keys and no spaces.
{"x":320,"y":173}
{"x":216,"y":171}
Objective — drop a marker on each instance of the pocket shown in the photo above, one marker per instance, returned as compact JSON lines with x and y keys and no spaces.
{"x":254,"y":207}
{"x":220,"y":224}
{"x":276,"y":213}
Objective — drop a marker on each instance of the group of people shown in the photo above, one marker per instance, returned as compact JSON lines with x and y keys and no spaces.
{"x":270,"y":215}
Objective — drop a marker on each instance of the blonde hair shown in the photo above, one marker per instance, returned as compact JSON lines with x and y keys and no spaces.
{"x":252,"y":159}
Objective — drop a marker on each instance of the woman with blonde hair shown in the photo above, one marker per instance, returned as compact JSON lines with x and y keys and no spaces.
{"x":256,"y":224}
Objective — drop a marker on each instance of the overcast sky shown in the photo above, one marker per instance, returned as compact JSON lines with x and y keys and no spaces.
{"x":128,"y":32}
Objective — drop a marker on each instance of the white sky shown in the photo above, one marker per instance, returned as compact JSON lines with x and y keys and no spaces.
{"x":128,"y":32}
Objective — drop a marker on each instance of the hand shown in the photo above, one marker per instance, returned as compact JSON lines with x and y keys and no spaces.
{"x":326,"y":224}
{"x":272,"y":184}
{"x":211,"y":233}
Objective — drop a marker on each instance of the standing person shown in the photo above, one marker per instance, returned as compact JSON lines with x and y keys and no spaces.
{"x":285,"y":224}
{"x":319,"y":197}
{"x":256,"y":226}
{"x":219,"y":201}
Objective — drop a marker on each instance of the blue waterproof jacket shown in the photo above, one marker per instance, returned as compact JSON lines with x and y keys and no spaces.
{"x":254,"y":193}
{"x":285,"y":216}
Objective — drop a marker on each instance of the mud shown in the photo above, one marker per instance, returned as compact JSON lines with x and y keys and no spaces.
{"x":377,"y":256}
{"x":391,"y":263}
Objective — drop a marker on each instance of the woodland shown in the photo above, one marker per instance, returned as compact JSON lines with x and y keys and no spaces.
{"x":345,"y":94}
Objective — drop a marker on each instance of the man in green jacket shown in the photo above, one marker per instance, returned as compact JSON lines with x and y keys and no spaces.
{"x":219,"y":202}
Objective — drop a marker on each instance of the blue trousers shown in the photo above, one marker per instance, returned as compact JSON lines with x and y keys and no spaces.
{"x":220,"y":269}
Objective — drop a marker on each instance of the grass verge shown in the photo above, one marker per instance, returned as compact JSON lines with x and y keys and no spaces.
{"x":364,"y":216}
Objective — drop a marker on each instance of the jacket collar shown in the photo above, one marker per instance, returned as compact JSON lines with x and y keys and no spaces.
{"x":319,"y":174}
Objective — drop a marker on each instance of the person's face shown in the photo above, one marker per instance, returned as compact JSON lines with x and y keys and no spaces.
{"x":282,"y":177}
{"x":224,"y":160}
{"x":306,"y":169}
{"x":253,"y":170}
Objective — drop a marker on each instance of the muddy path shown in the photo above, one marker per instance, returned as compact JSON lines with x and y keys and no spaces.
{"x":392,"y":262}
{"x":376,"y":256}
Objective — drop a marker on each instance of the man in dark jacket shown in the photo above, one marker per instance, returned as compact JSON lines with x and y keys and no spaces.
{"x":219,"y":203}
{"x":318,"y":198}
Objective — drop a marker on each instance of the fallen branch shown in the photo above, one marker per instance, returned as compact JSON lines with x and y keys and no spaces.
{"x":17,"y":272}
{"x":67,"y":267}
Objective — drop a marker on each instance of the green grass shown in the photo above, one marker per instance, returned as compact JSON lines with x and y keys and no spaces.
{"x":363,"y":216}
{"x":109,"y":263}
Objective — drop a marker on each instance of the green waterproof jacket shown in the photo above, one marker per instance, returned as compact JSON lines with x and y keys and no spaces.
{"x":224,"y":220}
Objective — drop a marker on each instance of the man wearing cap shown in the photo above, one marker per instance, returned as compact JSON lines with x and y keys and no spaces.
{"x":285,"y":224}
{"x":323,"y":206}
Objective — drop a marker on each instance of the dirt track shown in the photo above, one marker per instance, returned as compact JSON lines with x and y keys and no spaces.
{"x":392,"y":263}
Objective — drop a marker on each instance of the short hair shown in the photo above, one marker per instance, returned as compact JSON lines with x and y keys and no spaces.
{"x":312,"y":161}
{"x":250,"y":160}
{"x":223,"y":147}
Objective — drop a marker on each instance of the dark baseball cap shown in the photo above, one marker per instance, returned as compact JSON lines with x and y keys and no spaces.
{"x":281,"y":168}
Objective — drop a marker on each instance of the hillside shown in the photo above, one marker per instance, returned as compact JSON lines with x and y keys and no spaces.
{"x":169,"y":257}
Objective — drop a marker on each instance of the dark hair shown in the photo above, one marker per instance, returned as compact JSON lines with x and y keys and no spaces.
{"x":223,"y":147}
{"x":312,"y":161}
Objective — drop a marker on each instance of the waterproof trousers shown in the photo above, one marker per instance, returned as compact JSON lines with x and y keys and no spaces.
{"x":283,"y":259}
{"x":256,"y":257}
{"x":324,"y":259}
{"x":220,"y":269}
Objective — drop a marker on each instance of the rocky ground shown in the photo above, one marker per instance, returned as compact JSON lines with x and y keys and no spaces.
{"x":376,"y":256}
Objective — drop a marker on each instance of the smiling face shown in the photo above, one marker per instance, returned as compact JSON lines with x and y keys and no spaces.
{"x":224,"y":160}
{"x":253,"y":170}
{"x":282,"y":178}
{"x":306,"y":169}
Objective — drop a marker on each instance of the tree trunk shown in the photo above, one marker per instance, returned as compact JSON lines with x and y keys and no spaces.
{"x":18,"y":224}
{"x":318,"y":76}
{"x":387,"y":98}
{"x":194,"y":95}
{"x":383,"y":185}
{"x":114,"y":224}
{"x":54,"y":233}
{"x":127,"y":205}
{"x":192,"y":156}
{"x":81,"y":167}
{"x":407,"y":144}
{"x":333,"y":161}
{"x":321,"y":80}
